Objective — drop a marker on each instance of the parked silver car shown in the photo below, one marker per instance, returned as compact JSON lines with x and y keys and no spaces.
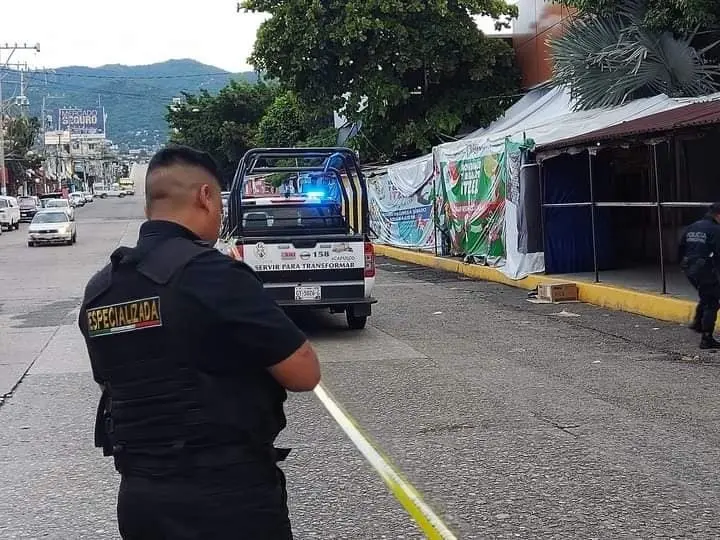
{"x":52,"y":226}
{"x":63,"y":204}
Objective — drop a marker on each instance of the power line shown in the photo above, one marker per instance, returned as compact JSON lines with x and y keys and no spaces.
{"x":100,"y":90}
{"x":138,"y":77}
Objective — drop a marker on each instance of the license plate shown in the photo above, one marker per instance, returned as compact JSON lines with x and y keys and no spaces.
{"x":305,"y":294}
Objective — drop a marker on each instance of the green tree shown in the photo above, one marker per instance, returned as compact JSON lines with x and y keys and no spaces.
{"x":226,"y":124}
{"x":282,"y":124}
{"x":424,"y":68}
{"x":679,"y":16}
{"x":289,"y":122}
{"x":20,"y":136}
{"x":613,"y":56}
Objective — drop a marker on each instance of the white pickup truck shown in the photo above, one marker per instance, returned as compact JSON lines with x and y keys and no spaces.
{"x":308,"y":250}
{"x":113,"y":191}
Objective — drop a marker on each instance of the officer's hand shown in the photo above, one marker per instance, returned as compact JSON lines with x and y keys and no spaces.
{"x":300,"y":372}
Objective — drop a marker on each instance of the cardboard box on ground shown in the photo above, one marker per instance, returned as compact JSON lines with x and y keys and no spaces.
{"x":557,"y":292}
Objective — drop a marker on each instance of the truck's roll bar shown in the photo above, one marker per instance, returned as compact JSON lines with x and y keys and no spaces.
{"x":339,"y":162}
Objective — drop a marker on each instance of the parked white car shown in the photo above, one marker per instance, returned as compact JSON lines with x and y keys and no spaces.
{"x":76,"y":198}
{"x":9,"y":213}
{"x":63,"y":204}
{"x":52,"y":226}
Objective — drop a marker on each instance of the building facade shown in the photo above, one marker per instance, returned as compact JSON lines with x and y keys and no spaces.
{"x":538,"y":21}
{"x":58,"y":159}
{"x":77,"y":153}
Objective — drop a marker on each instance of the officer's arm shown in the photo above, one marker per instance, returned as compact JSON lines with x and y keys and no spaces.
{"x":715,"y":242}
{"x":300,"y":372}
{"x":258,"y":329}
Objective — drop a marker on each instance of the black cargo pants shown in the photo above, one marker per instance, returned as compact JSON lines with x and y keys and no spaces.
{"x":217,"y":505}
{"x":708,"y":288}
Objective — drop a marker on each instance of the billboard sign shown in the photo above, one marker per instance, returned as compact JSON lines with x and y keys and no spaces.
{"x":82,"y":121}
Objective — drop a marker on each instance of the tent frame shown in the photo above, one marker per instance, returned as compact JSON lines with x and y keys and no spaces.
{"x":658,"y":204}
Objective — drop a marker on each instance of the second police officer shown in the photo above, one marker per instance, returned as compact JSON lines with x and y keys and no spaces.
{"x":699,"y":255}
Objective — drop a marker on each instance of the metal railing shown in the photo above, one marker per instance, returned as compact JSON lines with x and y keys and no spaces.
{"x":593,"y":204}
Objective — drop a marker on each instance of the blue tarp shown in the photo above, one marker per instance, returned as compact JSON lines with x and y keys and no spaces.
{"x":568,"y":230}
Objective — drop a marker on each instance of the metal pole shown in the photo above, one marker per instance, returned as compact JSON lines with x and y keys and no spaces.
{"x":3,"y":180}
{"x":591,"y":153}
{"x":12,"y":49}
{"x":435,"y":216}
{"x":658,"y":199}
{"x":541,"y":177}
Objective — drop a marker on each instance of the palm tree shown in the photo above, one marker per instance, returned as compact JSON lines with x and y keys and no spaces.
{"x":608,"y":59}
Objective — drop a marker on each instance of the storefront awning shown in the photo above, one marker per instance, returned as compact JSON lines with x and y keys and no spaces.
{"x":684,"y":117}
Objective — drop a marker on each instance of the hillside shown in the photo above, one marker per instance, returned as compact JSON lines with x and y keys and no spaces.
{"x":135,"y":97}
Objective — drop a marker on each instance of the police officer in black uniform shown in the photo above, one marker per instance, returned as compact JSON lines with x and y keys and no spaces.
{"x":699,"y":255}
{"x":194,"y":360}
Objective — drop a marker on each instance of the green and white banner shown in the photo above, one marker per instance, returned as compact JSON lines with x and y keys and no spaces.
{"x":472,"y":188}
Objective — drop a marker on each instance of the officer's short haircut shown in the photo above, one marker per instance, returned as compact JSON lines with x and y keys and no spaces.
{"x":184,"y":155}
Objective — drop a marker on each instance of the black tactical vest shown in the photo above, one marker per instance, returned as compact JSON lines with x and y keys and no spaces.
{"x":146,"y":342}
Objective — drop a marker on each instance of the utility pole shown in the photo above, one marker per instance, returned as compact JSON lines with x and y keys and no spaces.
{"x":19,"y":101}
{"x":22,"y":99}
{"x":12,"y":49}
{"x":44,"y":131}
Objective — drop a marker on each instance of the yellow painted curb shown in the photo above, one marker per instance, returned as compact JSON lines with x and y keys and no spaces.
{"x":656,"y":306}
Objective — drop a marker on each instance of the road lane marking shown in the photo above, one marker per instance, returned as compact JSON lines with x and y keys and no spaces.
{"x":428,"y":521}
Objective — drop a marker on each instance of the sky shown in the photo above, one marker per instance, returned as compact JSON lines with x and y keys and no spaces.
{"x":131,"y":32}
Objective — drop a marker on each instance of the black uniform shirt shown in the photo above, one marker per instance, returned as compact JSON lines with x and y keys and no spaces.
{"x":256,"y":326}
{"x":701,"y":241}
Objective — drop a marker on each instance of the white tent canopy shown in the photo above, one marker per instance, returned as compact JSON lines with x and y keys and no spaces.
{"x":550,"y":119}
{"x":545,"y":115}
{"x":409,"y":176}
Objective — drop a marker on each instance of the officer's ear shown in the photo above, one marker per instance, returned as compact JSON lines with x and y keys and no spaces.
{"x":205,"y":196}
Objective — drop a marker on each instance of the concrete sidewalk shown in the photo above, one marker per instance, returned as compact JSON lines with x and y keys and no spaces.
{"x":657,"y":306}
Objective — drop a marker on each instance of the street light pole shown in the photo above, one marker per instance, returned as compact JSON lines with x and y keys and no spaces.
{"x":12,"y":48}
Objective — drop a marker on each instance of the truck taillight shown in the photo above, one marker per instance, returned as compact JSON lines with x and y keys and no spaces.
{"x":237,"y":252}
{"x":369,"y":260}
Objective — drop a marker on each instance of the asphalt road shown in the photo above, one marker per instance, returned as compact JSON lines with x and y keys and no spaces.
{"x":513,"y":420}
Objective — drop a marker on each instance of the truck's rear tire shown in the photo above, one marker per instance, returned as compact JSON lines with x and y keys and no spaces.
{"x":355,"y":322}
